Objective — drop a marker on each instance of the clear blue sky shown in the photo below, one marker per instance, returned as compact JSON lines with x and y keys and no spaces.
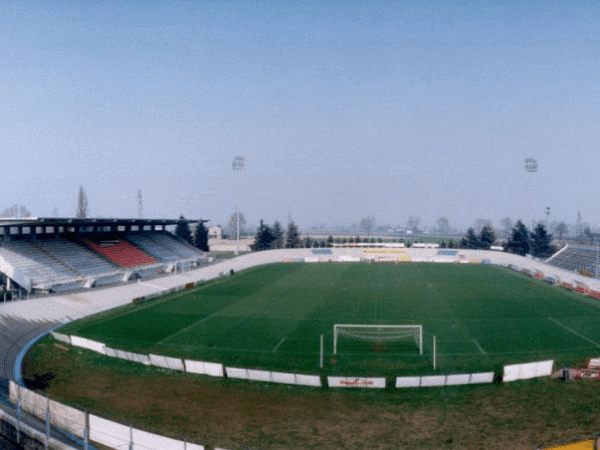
{"x":342,"y":109}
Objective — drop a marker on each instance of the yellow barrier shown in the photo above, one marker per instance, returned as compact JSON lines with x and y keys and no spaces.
{"x":393,"y":251}
{"x":588,"y":444}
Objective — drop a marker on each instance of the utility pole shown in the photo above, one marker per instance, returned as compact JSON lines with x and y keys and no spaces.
{"x":140,"y":205}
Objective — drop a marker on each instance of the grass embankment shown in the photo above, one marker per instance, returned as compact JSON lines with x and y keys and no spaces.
{"x":217,"y":412}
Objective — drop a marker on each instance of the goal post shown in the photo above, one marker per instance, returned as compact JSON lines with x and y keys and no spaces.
{"x":379,"y":333}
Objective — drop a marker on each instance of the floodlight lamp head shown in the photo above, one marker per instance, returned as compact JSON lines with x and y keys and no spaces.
{"x":531,"y":165}
{"x":238,"y":162}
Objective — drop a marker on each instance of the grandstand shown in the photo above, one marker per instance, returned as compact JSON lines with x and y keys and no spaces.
{"x":44,"y":255}
{"x":577,"y":258}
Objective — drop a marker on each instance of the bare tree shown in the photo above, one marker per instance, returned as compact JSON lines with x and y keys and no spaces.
{"x":413,"y":224}
{"x":579,"y":226}
{"x":16,"y":211}
{"x":560,"y":229}
{"x":367,"y":224}
{"x":82,"y":204}
{"x":507,"y":226}
{"x":481,"y":223}
{"x":443,"y":226}
{"x":232,"y":225}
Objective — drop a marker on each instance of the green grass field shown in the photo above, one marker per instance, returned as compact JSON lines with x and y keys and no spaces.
{"x":271,"y":317}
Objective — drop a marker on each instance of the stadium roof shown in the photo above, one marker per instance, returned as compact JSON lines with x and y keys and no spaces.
{"x":72,"y":221}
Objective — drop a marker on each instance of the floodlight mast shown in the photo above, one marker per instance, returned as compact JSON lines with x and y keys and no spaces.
{"x":531,"y":166}
{"x":237,"y":165}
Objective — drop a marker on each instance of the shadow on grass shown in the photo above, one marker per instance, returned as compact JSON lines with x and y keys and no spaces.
{"x":39,"y":382}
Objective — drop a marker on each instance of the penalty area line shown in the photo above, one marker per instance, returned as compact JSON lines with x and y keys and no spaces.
{"x":573,"y":331}
{"x":187,"y":328}
{"x":279,"y":344}
{"x":479,"y":347}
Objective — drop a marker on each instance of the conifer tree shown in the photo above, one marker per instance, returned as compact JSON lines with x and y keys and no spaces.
{"x":519,"y":240}
{"x":182,"y":230}
{"x":307,"y":242}
{"x":292,"y":236}
{"x":278,"y":236}
{"x":471,"y":240}
{"x":201,"y":236}
{"x":487,"y":237}
{"x":264,"y":238}
{"x":540,"y":242}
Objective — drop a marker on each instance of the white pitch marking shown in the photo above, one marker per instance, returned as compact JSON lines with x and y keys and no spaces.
{"x":479,"y":346}
{"x":187,"y":328}
{"x":279,"y":345}
{"x":573,"y":331}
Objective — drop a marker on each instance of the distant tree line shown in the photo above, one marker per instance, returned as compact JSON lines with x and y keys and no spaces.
{"x":520,"y":241}
{"x":274,"y":237}
{"x":485,"y":239}
{"x":268,"y":237}
{"x":451,"y":243}
{"x":536,"y":243}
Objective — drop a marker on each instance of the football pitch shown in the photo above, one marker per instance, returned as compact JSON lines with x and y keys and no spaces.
{"x":272,"y":317}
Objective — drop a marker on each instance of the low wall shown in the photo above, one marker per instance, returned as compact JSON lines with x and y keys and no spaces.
{"x":527,"y":371}
{"x":273,"y":377}
{"x":100,"y":430}
{"x":445,"y":380}
{"x":512,"y":372}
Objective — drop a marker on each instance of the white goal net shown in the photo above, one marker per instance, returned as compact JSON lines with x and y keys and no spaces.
{"x":379,"y":333}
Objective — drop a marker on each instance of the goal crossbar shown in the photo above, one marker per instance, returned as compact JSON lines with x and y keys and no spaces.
{"x":386,"y":333}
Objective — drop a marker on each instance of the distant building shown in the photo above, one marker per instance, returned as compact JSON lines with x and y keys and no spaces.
{"x":215,"y":232}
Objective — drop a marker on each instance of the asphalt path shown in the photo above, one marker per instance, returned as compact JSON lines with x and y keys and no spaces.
{"x":15,"y":335}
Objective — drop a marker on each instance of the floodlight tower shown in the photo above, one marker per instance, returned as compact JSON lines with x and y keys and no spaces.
{"x":531,"y":166}
{"x":237,"y":165}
